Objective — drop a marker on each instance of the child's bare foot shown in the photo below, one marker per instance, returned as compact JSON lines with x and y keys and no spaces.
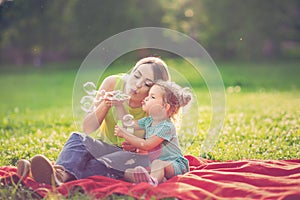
{"x":141,"y":175}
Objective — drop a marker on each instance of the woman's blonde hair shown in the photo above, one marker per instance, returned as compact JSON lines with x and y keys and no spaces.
{"x":159,"y":68}
{"x":174,"y":95}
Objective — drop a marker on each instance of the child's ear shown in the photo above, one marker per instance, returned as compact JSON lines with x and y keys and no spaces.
{"x":167,"y":106}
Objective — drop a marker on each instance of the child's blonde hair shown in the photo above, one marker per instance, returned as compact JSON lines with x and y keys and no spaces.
{"x":174,"y":95}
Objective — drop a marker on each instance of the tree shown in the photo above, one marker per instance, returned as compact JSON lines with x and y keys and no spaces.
{"x":40,"y":30}
{"x":232,"y":28}
{"x":58,"y":30}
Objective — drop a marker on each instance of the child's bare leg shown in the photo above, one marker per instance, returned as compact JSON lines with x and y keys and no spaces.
{"x":161,"y":169}
{"x":128,"y":175}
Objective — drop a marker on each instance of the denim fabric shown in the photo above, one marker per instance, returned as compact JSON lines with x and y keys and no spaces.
{"x":83,"y":156}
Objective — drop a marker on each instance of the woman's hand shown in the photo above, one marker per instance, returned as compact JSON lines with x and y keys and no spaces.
{"x":102,"y":104}
{"x":109,"y":98}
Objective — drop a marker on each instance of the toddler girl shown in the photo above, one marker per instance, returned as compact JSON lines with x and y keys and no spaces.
{"x":161,"y":141}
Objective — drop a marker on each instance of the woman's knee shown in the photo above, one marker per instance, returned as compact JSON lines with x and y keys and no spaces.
{"x":74,"y":140}
{"x":79,"y":137}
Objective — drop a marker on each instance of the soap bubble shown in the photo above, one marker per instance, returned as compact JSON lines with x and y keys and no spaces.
{"x":90,"y":88}
{"x":128,"y":120}
{"x":87,"y":103}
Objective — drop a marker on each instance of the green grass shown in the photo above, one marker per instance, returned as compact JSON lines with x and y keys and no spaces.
{"x":262,"y":112}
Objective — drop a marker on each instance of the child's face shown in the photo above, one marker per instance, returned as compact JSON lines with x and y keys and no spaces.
{"x":154,"y":102}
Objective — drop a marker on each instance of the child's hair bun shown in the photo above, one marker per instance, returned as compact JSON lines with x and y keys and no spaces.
{"x":185,"y":96}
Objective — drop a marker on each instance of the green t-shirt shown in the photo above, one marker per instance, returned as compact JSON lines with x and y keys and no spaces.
{"x":108,"y":125}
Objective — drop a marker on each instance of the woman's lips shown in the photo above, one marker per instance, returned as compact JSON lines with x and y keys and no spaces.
{"x":133,"y":92}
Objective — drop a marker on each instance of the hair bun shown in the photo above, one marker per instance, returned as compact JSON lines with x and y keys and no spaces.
{"x":185,"y":96}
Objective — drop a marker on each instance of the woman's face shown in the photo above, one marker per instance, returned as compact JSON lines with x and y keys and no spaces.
{"x":153,"y":103}
{"x":139,"y":82}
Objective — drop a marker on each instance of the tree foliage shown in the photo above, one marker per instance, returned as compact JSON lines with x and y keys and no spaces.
{"x":44,"y":30}
{"x":232,"y":28}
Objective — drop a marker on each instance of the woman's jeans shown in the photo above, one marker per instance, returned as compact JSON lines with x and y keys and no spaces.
{"x":83,"y":156}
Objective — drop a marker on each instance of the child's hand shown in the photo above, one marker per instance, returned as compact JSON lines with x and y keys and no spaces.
{"x":128,"y":147}
{"x":141,"y":151}
{"x":119,"y":132}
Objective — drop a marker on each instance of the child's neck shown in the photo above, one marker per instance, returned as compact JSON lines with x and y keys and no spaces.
{"x":156,"y":119}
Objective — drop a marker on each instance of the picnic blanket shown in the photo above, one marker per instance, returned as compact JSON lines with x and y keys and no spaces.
{"x":242,"y":179}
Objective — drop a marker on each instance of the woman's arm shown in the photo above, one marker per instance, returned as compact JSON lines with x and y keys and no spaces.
{"x":93,"y":120}
{"x":137,"y":142}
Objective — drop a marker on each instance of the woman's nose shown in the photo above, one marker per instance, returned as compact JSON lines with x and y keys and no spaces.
{"x":139,"y":83}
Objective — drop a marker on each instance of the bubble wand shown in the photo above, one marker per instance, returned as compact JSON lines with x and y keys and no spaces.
{"x":94,"y":96}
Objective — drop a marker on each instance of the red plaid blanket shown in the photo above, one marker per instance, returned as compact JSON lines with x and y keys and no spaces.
{"x":251,"y":179}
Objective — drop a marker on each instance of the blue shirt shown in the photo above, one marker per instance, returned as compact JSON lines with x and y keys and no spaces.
{"x":169,"y":149}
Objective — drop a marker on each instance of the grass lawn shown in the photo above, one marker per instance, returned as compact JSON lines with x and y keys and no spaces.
{"x":262,"y":111}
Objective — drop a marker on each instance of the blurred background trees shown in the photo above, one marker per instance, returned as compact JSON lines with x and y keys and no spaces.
{"x":40,"y":31}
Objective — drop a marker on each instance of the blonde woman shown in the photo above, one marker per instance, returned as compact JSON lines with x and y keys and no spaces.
{"x":82,"y":156}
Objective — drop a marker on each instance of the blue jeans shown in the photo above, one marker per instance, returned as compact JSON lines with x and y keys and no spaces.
{"x":83,"y":156}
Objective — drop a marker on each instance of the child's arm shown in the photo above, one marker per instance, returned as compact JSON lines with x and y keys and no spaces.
{"x":139,"y":143}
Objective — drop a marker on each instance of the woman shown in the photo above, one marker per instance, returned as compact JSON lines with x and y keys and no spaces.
{"x":82,"y":156}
